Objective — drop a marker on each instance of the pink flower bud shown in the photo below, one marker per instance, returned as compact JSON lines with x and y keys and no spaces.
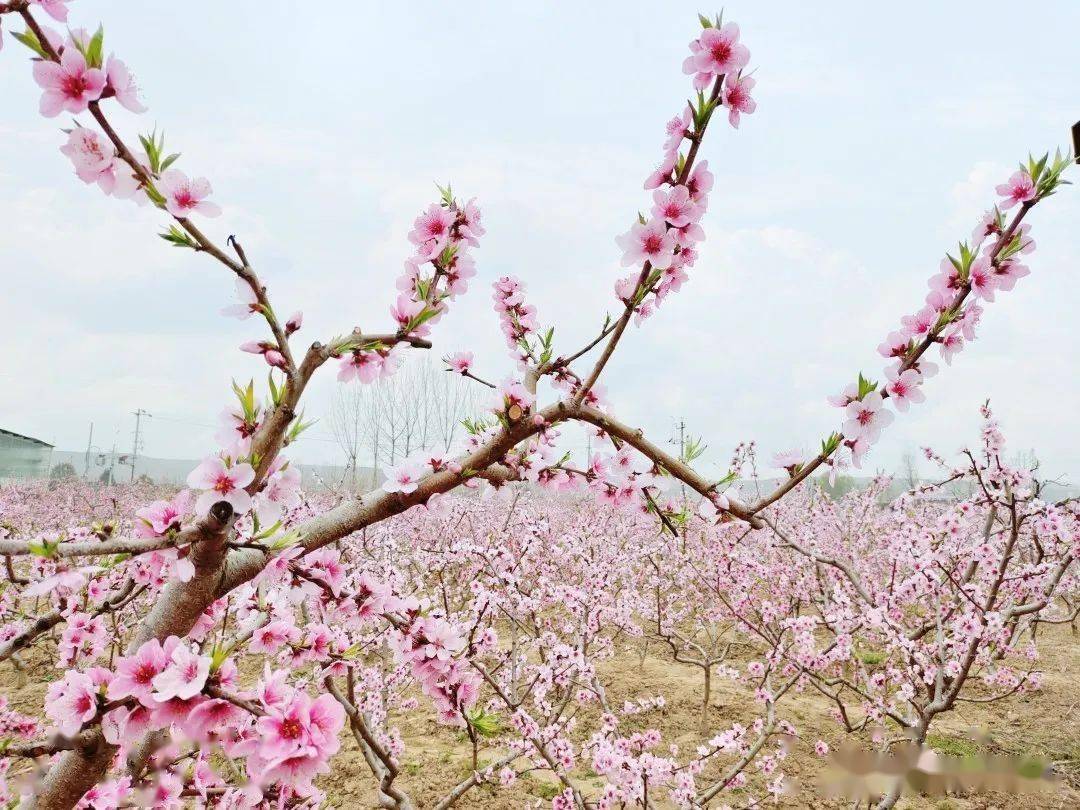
{"x":275,"y":358}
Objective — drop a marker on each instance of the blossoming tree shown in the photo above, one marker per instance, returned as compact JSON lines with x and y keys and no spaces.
{"x":157,"y":616}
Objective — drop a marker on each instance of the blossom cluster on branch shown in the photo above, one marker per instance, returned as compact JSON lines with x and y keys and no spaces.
{"x":158,"y":606}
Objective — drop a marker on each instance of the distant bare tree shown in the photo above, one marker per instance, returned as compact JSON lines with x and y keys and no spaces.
{"x":348,"y":419}
{"x":910,"y":470}
{"x":1025,"y":459}
{"x":454,"y":399}
{"x":419,"y":408}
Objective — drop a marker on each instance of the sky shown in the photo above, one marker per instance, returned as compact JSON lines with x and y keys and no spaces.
{"x":879,"y":136}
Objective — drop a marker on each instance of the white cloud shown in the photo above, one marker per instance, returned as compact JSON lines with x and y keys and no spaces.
{"x":819,"y":238}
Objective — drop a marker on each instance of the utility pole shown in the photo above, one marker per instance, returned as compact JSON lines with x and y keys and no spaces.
{"x":680,"y":426}
{"x":139,"y":414}
{"x":89,"y":442}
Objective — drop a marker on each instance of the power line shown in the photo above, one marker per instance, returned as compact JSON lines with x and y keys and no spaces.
{"x":193,"y":423}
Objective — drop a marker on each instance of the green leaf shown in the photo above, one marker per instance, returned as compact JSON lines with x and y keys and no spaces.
{"x":94,"y":49}
{"x":1051,"y":177}
{"x":693,"y":449}
{"x":154,"y":146}
{"x":1015,"y":246}
{"x":705,"y":21}
{"x":353,"y":651}
{"x":486,"y":725}
{"x":966,"y":256}
{"x":150,"y":147}
{"x":46,"y":548}
{"x":80,"y":46}
{"x":447,"y":255}
{"x":275,"y":392}
{"x":726,"y":480}
{"x":829,"y":445}
{"x":155,"y":196}
{"x":169,"y":161}
{"x":865,"y":386}
{"x":474,"y":427}
{"x":218,"y":656}
{"x":246,"y":397}
{"x":111,"y":562}
{"x":425,"y":315}
{"x":286,"y":540}
{"x":266,"y":533}
{"x":298,"y":427}
{"x":30,"y":40}
{"x":447,"y":195}
{"x":179,"y":238}
{"x":1035,"y":167}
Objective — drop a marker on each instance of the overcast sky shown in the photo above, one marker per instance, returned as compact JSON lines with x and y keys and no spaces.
{"x":879,"y":136}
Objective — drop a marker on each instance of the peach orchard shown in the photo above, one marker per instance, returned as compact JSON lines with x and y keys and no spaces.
{"x":219,"y":646}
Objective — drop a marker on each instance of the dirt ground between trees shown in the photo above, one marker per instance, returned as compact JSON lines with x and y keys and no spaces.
{"x":1046,"y":725}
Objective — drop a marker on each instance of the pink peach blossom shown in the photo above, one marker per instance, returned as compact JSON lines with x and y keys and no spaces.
{"x":161,"y":517}
{"x":122,"y":83}
{"x":675,"y":206}
{"x":650,"y":242}
{"x":719,"y":52}
{"x":135,"y":673}
{"x":405,"y":478}
{"x":69,"y":85}
{"x":92,"y":156}
{"x":1018,"y":189}
{"x":57,"y":9}
{"x":221,"y":482}
{"x":460,"y":362}
{"x":71,"y":702}
{"x":737,"y":98}
{"x":866,"y":418}
{"x":982,"y":279}
{"x":211,"y":717}
{"x":700,"y":182}
{"x":249,"y":302}
{"x":431,"y":231}
{"x":183,"y":677}
{"x":904,"y":387}
{"x":184,"y":197}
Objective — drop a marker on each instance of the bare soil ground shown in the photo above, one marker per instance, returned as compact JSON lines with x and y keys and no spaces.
{"x":1044,"y":725}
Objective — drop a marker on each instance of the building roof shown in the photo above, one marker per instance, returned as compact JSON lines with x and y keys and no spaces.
{"x":24,"y":438}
